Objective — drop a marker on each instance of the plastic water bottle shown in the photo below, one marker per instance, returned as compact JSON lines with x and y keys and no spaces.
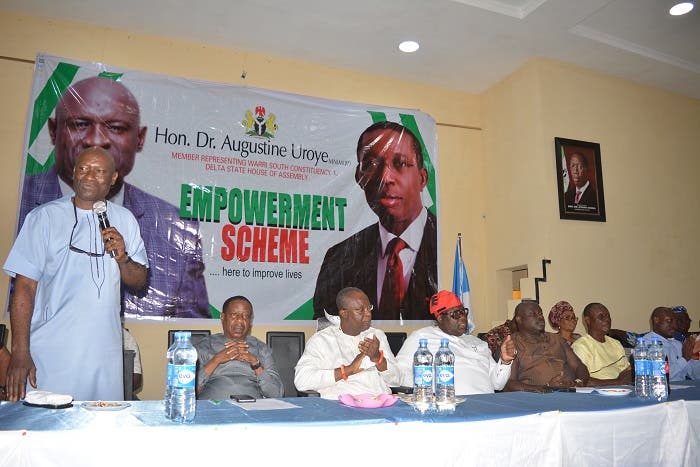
{"x":642,"y":370}
{"x":659,"y":386}
{"x":423,"y":376}
{"x":180,"y":398}
{"x":445,"y":376}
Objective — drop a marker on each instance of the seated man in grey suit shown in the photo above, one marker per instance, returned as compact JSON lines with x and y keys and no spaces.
{"x":235,"y":362}
{"x":101,"y":112}
{"x":395,"y":260}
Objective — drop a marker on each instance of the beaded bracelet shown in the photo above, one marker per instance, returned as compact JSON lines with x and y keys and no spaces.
{"x":381,"y":358}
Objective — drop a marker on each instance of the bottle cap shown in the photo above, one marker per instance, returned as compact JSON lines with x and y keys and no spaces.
{"x":422,"y":342}
{"x":444,"y":342}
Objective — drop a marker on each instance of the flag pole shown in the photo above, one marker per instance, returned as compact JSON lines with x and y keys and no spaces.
{"x":461,"y":259}
{"x":460,"y":282}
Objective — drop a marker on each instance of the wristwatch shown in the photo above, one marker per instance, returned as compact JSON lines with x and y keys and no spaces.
{"x":256,"y":366}
{"x":128,"y":260}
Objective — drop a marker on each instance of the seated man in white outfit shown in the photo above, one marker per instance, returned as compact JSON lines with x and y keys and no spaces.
{"x":476,"y":372}
{"x":350,"y":357}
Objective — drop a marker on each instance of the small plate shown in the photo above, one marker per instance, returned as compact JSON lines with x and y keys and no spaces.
{"x":49,"y":406}
{"x":613,"y":391}
{"x":105,"y":405}
{"x":408,"y":398}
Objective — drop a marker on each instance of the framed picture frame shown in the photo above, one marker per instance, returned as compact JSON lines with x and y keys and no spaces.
{"x":579,"y":180}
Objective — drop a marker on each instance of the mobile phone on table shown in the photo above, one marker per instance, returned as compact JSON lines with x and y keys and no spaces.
{"x":553,"y":389}
{"x":242,"y":398}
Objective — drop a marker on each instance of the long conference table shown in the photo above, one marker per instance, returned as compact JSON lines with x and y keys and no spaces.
{"x":493,"y":429}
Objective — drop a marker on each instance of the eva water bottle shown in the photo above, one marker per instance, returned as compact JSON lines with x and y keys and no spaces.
{"x":659,"y":386}
{"x":445,"y":376}
{"x":642,"y":370}
{"x":180,"y":397}
{"x":423,"y":376}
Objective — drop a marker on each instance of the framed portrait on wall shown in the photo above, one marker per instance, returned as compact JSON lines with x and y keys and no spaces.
{"x":580,"y":180}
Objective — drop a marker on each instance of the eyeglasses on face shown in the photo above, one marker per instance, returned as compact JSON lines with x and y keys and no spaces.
{"x":371,"y":164}
{"x":233,"y":316}
{"x":456,"y":314}
{"x":364,"y":309}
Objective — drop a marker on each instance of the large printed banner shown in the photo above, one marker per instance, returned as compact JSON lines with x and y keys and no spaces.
{"x":244,"y":191}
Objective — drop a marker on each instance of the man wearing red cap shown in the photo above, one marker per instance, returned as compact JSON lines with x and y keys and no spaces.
{"x":476,"y":372}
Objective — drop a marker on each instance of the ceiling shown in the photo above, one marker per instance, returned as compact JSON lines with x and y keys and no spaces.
{"x":466,"y":45}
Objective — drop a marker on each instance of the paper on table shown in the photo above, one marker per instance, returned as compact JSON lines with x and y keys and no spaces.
{"x":679,"y":386}
{"x":47,"y":398}
{"x":265,"y":404}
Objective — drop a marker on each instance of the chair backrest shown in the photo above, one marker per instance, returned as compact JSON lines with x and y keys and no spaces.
{"x":322,"y":323}
{"x":129,"y":374}
{"x":287,"y":347}
{"x":197,"y":335}
{"x":396,"y":340}
{"x":4,"y":356}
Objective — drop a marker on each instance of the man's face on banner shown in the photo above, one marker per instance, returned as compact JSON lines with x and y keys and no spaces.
{"x":392,"y":177}
{"x":97,"y":112}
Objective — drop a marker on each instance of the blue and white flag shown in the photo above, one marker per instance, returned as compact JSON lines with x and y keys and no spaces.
{"x":460,"y":285}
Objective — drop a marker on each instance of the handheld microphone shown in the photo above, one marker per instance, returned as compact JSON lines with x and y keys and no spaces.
{"x":100,"y":209}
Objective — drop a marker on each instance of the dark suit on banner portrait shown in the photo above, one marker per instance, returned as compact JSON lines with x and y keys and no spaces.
{"x":353,"y":263}
{"x":175,"y":286}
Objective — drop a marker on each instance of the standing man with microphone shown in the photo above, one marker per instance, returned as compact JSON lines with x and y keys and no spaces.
{"x":68,"y":264}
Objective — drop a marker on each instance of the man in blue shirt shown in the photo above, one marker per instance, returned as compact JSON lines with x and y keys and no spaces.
{"x":64,"y":310}
{"x":680,"y":356}
{"x":682,"y":323}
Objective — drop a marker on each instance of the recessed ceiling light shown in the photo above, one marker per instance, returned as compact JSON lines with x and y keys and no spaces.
{"x":408,"y":46}
{"x":681,"y":8}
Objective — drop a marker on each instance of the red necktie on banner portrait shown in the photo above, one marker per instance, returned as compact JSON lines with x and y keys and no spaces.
{"x":578,"y":196}
{"x":393,"y":288}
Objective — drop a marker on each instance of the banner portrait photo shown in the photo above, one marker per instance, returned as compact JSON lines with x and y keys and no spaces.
{"x":283,"y":198}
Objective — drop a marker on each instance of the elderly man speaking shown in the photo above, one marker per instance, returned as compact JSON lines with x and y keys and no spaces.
{"x":349,"y":358}
{"x":476,"y":372}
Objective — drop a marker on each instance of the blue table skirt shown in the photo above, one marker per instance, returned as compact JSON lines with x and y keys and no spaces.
{"x":16,"y":416}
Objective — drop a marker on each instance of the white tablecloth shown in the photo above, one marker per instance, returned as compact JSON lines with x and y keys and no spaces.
{"x":661,"y":434}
